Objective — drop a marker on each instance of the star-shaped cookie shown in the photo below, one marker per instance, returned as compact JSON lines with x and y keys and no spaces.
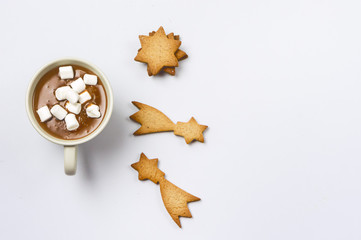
{"x":190,"y":130}
{"x":158,"y":51}
{"x":180,"y":55}
{"x":148,"y":169}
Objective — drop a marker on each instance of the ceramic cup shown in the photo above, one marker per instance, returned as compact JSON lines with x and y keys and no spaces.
{"x":70,"y":146}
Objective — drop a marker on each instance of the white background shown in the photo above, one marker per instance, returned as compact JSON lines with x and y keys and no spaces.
{"x":277,"y":82}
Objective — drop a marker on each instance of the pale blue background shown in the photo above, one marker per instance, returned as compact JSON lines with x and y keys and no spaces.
{"x":277,"y":82}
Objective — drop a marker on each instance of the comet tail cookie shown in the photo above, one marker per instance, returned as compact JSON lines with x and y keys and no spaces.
{"x":153,"y":120}
{"x":175,"y":199}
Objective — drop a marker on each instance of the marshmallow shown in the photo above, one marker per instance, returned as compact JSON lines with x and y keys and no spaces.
{"x":60,"y":93}
{"x":90,"y":79}
{"x":71,"y":122}
{"x":66,"y":72}
{"x":72,"y":96}
{"x":44,"y":113}
{"x":84,"y":96}
{"x":58,"y":111}
{"x":73,"y":107}
{"x":79,"y":73}
{"x":78,"y":85}
{"x":93,"y":111}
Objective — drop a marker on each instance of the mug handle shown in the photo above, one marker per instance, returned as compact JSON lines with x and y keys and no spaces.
{"x":70,"y":159}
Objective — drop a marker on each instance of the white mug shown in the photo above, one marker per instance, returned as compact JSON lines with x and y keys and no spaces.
{"x":70,"y":146}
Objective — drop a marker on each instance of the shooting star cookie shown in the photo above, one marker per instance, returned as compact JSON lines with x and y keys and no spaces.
{"x":175,"y":199}
{"x":152,"y":121}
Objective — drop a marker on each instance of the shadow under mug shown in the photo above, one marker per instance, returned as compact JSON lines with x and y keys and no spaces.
{"x":70,"y":146}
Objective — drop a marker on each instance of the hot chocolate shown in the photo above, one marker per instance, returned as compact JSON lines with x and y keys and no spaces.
{"x":69,"y":102}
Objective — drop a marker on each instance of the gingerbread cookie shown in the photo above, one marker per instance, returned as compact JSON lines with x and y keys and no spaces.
{"x":175,"y":199}
{"x":180,"y":55}
{"x":152,"y":120}
{"x":158,"y":51}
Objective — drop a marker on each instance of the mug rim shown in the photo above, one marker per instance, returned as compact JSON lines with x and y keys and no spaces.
{"x":30,"y":92}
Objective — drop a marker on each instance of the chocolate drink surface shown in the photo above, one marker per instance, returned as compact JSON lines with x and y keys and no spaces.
{"x":44,"y":95}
